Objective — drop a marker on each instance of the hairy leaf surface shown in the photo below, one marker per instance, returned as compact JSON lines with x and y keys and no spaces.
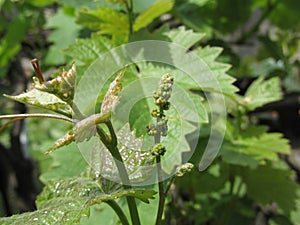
{"x":68,"y":200}
{"x":43,"y":100}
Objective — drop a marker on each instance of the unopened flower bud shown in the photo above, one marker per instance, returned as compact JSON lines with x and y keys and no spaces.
{"x":162,"y":95}
{"x":183,"y":169}
{"x":157,"y":113}
{"x":158,"y":149}
{"x":151,"y":130}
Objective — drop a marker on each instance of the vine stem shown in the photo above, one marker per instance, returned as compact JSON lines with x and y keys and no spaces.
{"x":162,"y":194}
{"x":129,"y":8}
{"x":118,"y":211}
{"x":112,"y":146}
{"x":169,"y":184}
{"x":16,"y":117}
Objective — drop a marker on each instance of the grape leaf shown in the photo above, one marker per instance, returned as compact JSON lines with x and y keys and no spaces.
{"x":61,"y":211}
{"x":63,"y":86}
{"x":64,"y":34}
{"x":262,"y":92}
{"x":66,"y":201}
{"x":140,"y":6}
{"x":225,"y":82}
{"x":157,"y":9}
{"x":86,"y":51}
{"x":183,"y":37}
{"x":55,"y":95}
{"x":43,"y":100}
{"x":238,"y":158}
{"x":59,"y":169}
{"x":266,"y":185}
{"x":106,"y":21}
{"x":253,"y":146}
{"x":111,"y":99}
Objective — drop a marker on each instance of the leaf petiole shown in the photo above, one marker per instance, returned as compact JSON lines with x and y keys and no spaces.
{"x":15,"y":117}
{"x":118,"y":210}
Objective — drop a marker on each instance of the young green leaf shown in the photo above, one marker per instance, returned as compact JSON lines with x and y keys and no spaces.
{"x":86,"y":128}
{"x":63,"y":141}
{"x":82,"y":131}
{"x":56,"y":95}
{"x":111,"y":99}
{"x":156,"y":10}
{"x":63,"y":86}
{"x":262,"y":92}
{"x":106,"y":21}
{"x":44,"y":100}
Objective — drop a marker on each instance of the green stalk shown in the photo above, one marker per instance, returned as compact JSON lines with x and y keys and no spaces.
{"x":169,"y":185}
{"x":162,"y":194}
{"x":113,"y":149}
{"x":129,"y":8}
{"x":118,"y":211}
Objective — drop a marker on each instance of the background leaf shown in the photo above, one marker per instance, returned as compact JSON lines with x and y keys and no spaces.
{"x":64,"y":33}
{"x":254,"y":146}
{"x":106,"y":21}
{"x":262,"y":92}
{"x":85,"y":51}
{"x":157,"y":9}
{"x":10,"y":44}
{"x":267,"y":185}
